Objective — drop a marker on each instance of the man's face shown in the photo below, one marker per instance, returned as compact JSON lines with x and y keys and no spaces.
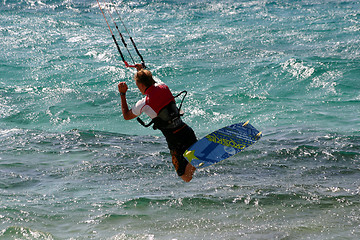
{"x":140,"y":87}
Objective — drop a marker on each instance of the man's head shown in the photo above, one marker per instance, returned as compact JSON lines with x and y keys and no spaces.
{"x":144,"y":77}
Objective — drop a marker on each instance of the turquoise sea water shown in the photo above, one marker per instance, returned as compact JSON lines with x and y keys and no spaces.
{"x":72,"y":168}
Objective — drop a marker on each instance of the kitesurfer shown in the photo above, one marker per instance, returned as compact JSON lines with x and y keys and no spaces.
{"x":159,"y":105}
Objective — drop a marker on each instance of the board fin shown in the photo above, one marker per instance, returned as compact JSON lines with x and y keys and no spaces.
{"x":258,"y":135}
{"x":190,"y":155}
{"x":246,"y":123}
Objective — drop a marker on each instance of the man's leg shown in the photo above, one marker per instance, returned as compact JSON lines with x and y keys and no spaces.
{"x":189,"y":171}
{"x":183,"y":168}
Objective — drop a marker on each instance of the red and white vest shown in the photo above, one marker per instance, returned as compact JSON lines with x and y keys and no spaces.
{"x":156,"y":98}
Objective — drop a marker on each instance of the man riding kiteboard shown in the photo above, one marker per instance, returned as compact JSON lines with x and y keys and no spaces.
{"x":159,"y":105}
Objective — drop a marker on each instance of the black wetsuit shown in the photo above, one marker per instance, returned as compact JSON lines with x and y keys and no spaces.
{"x":178,"y":141}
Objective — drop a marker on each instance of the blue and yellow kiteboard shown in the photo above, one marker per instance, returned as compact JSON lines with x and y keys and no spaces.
{"x":222,"y":144}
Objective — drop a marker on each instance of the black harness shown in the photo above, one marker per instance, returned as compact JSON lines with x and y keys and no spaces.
{"x":169,"y":117}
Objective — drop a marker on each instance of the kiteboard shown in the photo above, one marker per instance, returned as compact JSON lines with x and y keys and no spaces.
{"x":222,"y":144}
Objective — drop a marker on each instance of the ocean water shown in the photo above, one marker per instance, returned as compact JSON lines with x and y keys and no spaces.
{"x":72,"y":168}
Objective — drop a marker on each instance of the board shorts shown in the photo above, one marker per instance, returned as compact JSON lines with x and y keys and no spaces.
{"x":178,"y":141}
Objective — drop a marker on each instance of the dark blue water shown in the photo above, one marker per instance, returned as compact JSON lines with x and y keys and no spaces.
{"x":72,"y":168}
